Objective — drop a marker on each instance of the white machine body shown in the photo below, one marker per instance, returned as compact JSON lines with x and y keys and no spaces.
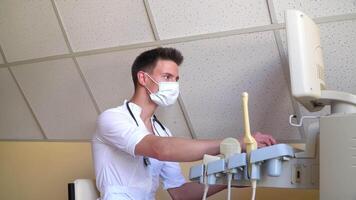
{"x":305,"y":58}
{"x":328,"y":161}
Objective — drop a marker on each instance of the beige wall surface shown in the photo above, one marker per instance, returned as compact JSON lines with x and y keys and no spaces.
{"x":41,"y":170}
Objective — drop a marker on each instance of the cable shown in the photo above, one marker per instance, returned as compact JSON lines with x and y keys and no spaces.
{"x":253,"y":183}
{"x":229,"y":178}
{"x":206,"y":189}
{"x":206,"y":159}
{"x":228,"y":147}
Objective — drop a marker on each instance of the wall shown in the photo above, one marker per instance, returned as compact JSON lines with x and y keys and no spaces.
{"x":41,"y":170}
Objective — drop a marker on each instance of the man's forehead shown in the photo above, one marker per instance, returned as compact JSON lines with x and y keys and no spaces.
{"x":166,"y":66}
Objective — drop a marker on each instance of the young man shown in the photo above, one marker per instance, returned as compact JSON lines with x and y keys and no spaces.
{"x":132,"y":150}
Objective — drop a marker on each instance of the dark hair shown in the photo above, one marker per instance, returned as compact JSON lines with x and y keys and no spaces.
{"x":147,"y":60}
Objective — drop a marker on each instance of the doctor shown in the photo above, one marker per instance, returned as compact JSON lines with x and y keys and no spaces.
{"x":133,"y":150}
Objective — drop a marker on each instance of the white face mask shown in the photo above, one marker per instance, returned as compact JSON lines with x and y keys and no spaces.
{"x":167,"y":93}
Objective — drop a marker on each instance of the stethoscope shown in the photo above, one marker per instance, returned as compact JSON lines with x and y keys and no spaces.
{"x":146,"y":160}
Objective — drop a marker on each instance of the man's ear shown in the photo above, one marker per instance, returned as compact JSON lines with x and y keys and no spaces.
{"x":141,"y":78}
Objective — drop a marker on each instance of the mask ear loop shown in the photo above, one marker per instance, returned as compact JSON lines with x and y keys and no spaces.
{"x":152,"y":80}
{"x":149,"y":90}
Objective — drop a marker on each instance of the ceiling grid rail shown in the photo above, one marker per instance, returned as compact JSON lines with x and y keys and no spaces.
{"x":274,"y":26}
{"x":3,"y":55}
{"x":73,"y":57}
{"x":255,"y":29}
{"x":23,"y":95}
{"x":180,"y":100}
{"x":28,"y":104}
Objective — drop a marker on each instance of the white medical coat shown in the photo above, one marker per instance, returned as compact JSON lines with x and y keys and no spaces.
{"x":120,"y":174}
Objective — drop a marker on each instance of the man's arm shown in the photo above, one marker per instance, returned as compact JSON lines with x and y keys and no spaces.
{"x":187,"y":150}
{"x":193,"y":191}
{"x":176,"y":149}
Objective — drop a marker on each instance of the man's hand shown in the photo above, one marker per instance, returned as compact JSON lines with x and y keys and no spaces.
{"x":263,"y":139}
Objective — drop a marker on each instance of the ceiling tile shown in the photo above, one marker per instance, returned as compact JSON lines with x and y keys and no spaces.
{"x":339,"y":49}
{"x":215,"y":73}
{"x":29,"y":29}
{"x":109,"y":78}
{"x":320,"y":8}
{"x":185,"y":17}
{"x":1,"y":60}
{"x":59,"y":98}
{"x":96,"y":24}
{"x":16,"y":120}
